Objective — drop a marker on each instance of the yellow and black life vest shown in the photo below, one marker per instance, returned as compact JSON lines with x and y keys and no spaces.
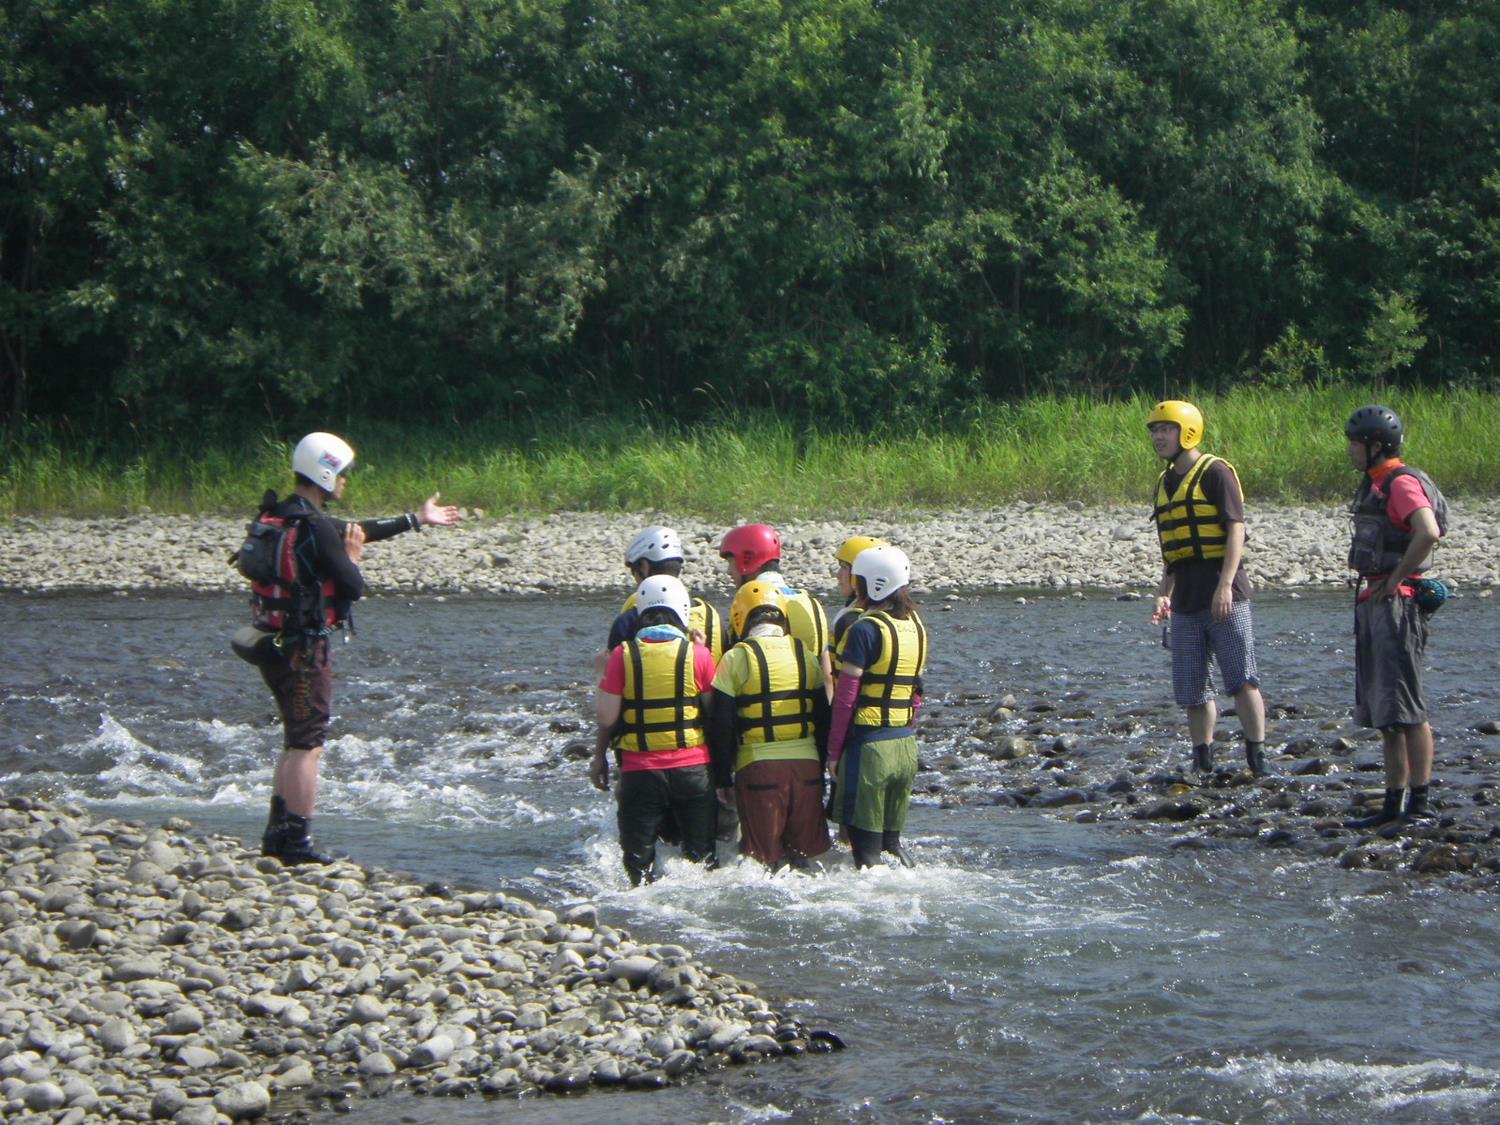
{"x":1188,"y":525}
{"x":777,"y":704}
{"x":887,"y":685}
{"x":702,"y":618}
{"x":659,"y":706}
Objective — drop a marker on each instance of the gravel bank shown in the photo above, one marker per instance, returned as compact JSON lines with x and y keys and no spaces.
{"x":155,"y":974}
{"x":1046,"y":545}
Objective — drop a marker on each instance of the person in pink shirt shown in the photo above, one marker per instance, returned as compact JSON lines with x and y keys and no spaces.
{"x":652,"y":708}
{"x":1398,"y":513}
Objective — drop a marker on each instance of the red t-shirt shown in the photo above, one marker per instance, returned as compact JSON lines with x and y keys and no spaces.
{"x":613,"y":683}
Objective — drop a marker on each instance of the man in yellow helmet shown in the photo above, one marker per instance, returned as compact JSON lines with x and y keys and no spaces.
{"x":1200,"y":520}
{"x":768,"y":727}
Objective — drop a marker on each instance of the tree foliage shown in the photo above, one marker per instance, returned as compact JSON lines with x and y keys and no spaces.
{"x":857,"y":211}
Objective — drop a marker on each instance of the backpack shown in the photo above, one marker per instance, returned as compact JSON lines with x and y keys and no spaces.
{"x":257,"y":555}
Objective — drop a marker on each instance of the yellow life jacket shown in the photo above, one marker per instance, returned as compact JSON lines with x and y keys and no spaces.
{"x":777,"y":703}
{"x":659,"y":705}
{"x":806,"y":621}
{"x":1188,"y":525}
{"x":703,"y":618}
{"x":887,"y":686}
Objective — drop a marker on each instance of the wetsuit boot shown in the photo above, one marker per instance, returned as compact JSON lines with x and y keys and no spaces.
{"x":270,"y":839}
{"x":294,"y":844}
{"x":891,"y":842}
{"x":1416,"y":813}
{"x":1390,"y":810}
{"x":1255,"y":758}
{"x":865,"y":845}
{"x":1203,"y":757}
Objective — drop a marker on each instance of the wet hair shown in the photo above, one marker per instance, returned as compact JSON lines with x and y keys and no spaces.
{"x":656,"y":615}
{"x":899,"y":605}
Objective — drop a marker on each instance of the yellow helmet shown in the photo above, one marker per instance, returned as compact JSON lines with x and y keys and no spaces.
{"x":852,"y":546}
{"x":1189,"y":420}
{"x":752,"y":596}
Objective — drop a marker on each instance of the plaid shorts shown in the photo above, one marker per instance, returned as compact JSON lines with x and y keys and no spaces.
{"x":1231,"y":643}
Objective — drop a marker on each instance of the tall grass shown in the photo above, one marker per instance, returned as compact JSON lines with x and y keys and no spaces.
{"x":1287,"y":446}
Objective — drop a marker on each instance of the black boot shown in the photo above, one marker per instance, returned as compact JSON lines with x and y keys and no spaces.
{"x":1417,"y":813}
{"x":1255,"y":758}
{"x":270,"y":839}
{"x":293,"y":845}
{"x":1203,"y":757}
{"x":891,"y":842}
{"x":1390,"y":810}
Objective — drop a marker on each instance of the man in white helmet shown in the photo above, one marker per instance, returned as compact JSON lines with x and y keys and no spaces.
{"x":658,"y":550}
{"x":652,"y":707}
{"x":311,"y":594}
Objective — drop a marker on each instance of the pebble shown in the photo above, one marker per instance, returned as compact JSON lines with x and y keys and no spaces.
{"x":113,"y":1029}
{"x":1044,"y":545}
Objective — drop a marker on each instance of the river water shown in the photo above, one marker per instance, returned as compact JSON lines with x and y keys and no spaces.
{"x":1030,"y":968}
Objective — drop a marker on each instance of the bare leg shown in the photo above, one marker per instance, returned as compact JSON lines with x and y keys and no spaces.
{"x":1201,"y":720}
{"x":1250,"y":706}
{"x":296,"y":780}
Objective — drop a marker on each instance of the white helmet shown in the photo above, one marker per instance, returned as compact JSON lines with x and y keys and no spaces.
{"x":655,"y":544}
{"x":321,"y":458}
{"x":885,"y":570}
{"x":665,"y":592}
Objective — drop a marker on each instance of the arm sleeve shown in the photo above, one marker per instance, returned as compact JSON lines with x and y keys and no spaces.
{"x":843,"y":714}
{"x":387,"y":526}
{"x":822,"y":716}
{"x":723,"y":744}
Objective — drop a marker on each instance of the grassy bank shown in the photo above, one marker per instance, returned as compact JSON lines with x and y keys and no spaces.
{"x":1287,"y":445}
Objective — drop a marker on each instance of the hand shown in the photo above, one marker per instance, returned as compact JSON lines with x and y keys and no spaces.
{"x":354,"y":542}
{"x":1223,"y":602}
{"x":726,"y":797}
{"x":599,"y":772}
{"x":1388,"y":587}
{"x":1163,"y":609}
{"x":434,"y":514}
{"x":699,"y":637}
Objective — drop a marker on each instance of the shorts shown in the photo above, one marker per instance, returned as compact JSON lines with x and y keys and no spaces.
{"x":1390,"y":640}
{"x":303,"y":687}
{"x":781,"y":809}
{"x":1231,"y":643}
{"x":875,"y":777}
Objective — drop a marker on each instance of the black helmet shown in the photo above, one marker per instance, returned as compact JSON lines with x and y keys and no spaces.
{"x":1375,"y":426}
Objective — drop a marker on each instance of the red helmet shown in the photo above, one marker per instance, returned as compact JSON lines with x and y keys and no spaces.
{"x":750,"y":547}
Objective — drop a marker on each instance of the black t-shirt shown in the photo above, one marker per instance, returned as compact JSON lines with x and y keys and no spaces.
{"x":1194,"y":580}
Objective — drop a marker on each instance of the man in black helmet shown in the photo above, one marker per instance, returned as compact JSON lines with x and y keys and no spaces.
{"x":1398,"y":516}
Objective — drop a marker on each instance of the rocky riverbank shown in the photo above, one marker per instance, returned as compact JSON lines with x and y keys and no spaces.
{"x":150,"y":973}
{"x":1024,"y":545}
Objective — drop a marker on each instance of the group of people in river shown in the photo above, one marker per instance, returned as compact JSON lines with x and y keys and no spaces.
{"x":708,"y":724}
{"x":779,"y":722}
